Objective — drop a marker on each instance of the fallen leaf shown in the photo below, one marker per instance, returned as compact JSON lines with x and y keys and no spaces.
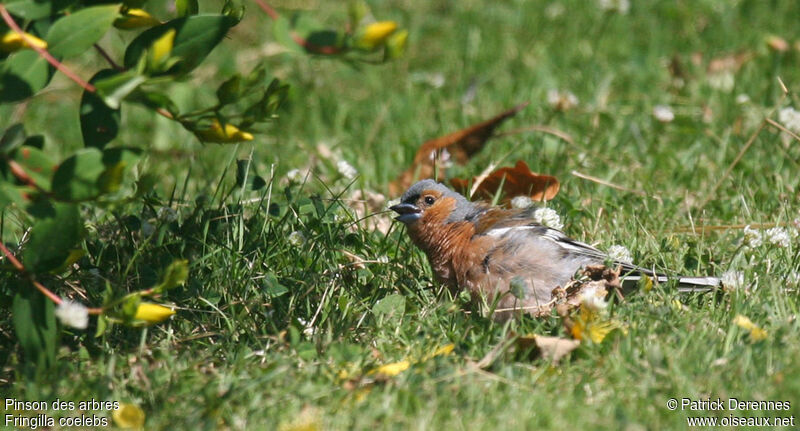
{"x":516,"y":181}
{"x":547,"y":348}
{"x":461,"y":145}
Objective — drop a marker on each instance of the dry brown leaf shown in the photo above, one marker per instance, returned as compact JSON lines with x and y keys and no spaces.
{"x":548,"y":348}
{"x":517,"y":181}
{"x":461,"y":145}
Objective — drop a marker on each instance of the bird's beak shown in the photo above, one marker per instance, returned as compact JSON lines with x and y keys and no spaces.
{"x":408,"y":212}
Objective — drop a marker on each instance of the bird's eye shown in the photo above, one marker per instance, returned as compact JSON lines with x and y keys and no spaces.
{"x":429,"y":200}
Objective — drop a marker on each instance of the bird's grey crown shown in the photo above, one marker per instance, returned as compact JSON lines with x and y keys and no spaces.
{"x":413,"y":193}
{"x":464,"y":209}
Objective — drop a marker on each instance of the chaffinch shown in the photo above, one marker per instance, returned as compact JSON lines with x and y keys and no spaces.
{"x":484,"y":249}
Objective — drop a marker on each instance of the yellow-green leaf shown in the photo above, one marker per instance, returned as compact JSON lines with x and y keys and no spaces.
{"x":175,"y":275}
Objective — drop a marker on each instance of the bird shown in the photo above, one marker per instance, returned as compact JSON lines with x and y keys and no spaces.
{"x":489,"y":250}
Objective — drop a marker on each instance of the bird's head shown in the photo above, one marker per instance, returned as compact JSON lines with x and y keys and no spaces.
{"x":432,"y":201}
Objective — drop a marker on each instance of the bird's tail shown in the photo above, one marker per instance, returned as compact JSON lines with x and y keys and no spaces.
{"x":685,"y":284}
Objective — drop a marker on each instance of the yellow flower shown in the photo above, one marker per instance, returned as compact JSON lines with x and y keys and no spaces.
{"x":13,"y":41}
{"x":135,"y":18}
{"x":391,"y":370}
{"x":161,"y":48}
{"x":153,"y":313}
{"x":216,"y":133}
{"x":756,"y":333}
{"x":592,"y":325}
{"x":444,"y":350}
{"x":128,"y":416}
{"x":376,"y":34}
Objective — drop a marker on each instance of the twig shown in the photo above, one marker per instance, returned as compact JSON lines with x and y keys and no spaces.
{"x":549,"y":130}
{"x":39,"y":286}
{"x":60,"y":66}
{"x":43,"y":52}
{"x":745,"y":147}
{"x":267,"y":9}
{"x":739,"y":156}
{"x":19,"y":172}
{"x":782,"y":128}
{"x":480,"y":178}
{"x":614,"y":186}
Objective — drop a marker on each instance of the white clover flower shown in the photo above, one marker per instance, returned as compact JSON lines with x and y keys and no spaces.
{"x":167,"y":214}
{"x":346,"y":169}
{"x":308,"y":329}
{"x":778,"y":236}
{"x":722,"y":81}
{"x":732,"y":280}
{"x":752,"y":237}
{"x":790,"y":118}
{"x":436,"y":80}
{"x":548,"y":217}
{"x":294,"y":175}
{"x":620,"y":253}
{"x":593,"y":298}
{"x":621,"y":6}
{"x":742,"y":98}
{"x":73,"y":314}
{"x":663,"y":113}
{"x":561,"y":100}
{"x":297,"y":238}
{"x":521,"y":201}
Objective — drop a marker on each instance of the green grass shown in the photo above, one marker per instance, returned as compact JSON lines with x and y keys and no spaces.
{"x":236,"y":355}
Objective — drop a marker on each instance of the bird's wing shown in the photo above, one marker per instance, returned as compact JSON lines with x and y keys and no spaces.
{"x":511,"y":224}
{"x":556,"y":237}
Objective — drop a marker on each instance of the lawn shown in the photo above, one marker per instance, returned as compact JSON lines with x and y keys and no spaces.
{"x":298,"y":314}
